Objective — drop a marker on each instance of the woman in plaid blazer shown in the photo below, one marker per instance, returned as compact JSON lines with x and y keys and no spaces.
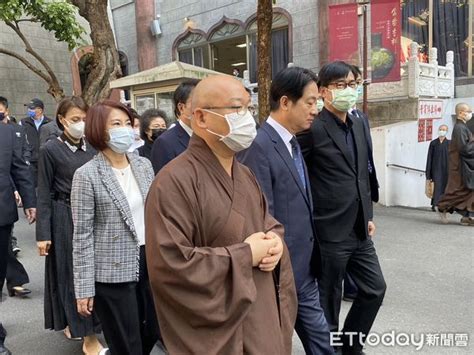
{"x":107,"y":200}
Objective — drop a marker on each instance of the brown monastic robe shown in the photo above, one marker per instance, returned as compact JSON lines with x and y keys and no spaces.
{"x":457,"y":196}
{"x":209,"y":299}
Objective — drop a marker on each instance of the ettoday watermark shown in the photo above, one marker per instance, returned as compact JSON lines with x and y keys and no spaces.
{"x":402,"y":339}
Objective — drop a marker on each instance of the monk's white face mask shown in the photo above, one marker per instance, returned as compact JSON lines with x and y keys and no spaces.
{"x":242,"y":130}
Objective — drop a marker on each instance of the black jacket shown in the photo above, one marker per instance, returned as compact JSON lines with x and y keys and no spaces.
{"x":168,"y":146}
{"x":12,"y":166}
{"x":33,"y":135}
{"x":374,"y":183}
{"x":340,"y":187}
{"x":22,"y":140}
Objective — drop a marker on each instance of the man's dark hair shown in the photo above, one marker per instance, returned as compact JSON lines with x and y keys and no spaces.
{"x":356,"y":71}
{"x":181,"y":95}
{"x":4,"y":101}
{"x":146,"y":119}
{"x":333,"y":71}
{"x":290,"y":82}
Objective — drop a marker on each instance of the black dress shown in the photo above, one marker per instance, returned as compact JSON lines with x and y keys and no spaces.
{"x":437,"y":167}
{"x":58,"y":160}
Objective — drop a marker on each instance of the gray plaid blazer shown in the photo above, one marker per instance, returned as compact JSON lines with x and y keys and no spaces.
{"x":105,"y":243}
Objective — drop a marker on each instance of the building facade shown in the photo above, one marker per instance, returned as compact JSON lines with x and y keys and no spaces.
{"x":18,"y":83}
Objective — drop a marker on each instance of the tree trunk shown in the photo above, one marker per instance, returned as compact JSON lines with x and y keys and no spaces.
{"x":105,"y":58}
{"x":264,"y":48}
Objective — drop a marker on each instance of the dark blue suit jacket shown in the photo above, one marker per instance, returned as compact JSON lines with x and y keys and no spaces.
{"x":13,"y":167}
{"x":168,"y":146}
{"x":288,"y":201}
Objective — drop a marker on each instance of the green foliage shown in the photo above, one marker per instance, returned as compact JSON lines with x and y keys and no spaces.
{"x":58,"y":17}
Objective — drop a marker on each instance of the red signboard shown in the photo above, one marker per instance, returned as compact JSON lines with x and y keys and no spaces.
{"x":385,"y":38}
{"x":430,"y":109}
{"x":344,"y":33}
{"x":425,"y":130}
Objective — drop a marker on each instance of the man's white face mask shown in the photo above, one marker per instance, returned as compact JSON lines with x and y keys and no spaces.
{"x":242,"y":130}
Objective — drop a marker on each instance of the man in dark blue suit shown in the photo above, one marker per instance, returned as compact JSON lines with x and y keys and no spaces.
{"x":12,"y":166}
{"x":275,"y":158}
{"x":175,"y":141}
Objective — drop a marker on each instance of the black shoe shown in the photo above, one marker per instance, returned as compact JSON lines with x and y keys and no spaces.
{"x":4,"y":350}
{"x":433,"y":208}
{"x":18,"y":291}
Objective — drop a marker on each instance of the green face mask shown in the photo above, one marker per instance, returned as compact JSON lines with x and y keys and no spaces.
{"x":319,"y":105}
{"x":344,"y":99}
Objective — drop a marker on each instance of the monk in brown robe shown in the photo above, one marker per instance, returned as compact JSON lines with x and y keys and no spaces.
{"x":458,"y":196}
{"x":220,"y":274}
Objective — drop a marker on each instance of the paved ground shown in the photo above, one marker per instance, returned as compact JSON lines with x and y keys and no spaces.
{"x":428,"y":268}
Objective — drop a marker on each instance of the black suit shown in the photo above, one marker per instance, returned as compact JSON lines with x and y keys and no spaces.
{"x":374,"y":184}
{"x":337,"y":156}
{"x":12,"y":166}
{"x":16,"y":273}
{"x":168,"y":146}
{"x":291,"y":204}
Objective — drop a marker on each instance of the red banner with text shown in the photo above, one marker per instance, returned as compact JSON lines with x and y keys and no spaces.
{"x":385,"y":38}
{"x":343,"y":33}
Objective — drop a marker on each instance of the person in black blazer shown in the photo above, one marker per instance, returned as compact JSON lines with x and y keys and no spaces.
{"x":175,"y":141}
{"x":336,"y":152}
{"x":12,"y":166}
{"x":16,"y":274}
{"x":350,"y":289}
{"x":276,"y":160}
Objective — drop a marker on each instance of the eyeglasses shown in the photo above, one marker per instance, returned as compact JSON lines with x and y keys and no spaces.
{"x":240,"y":110}
{"x":343,"y":84}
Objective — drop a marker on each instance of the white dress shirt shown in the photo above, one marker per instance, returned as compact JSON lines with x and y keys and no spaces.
{"x":130,"y":187}
{"x":285,"y":135}
{"x":186,"y":128}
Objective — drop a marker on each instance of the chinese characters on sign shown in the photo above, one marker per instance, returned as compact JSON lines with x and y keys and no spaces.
{"x":344,"y":33}
{"x":386,"y":47}
{"x":427,"y":111}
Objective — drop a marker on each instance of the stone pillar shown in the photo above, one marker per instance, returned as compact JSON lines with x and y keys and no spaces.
{"x":146,"y":43}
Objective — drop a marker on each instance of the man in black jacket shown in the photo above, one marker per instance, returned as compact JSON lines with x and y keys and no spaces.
{"x":12,"y":166}
{"x":336,"y":153}
{"x":16,"y":273}
{"x":33,"y":124}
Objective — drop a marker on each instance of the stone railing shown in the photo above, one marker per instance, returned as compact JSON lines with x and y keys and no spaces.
{"x":418,"y":79}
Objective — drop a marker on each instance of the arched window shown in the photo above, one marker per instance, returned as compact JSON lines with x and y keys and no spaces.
{"x":280,"y":45}
{"x":232,"y":44}
{"x":193,"y":49}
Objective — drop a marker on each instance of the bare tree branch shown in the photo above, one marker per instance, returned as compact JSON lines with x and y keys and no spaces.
{"x":27,"y":20}
{"x":27,"y":64}
{"x":30,"y":50}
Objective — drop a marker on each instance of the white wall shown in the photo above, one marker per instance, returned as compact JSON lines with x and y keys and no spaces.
{"x":398,"y":144}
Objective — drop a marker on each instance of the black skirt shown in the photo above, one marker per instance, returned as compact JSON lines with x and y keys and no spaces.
{"x":60,"y":308}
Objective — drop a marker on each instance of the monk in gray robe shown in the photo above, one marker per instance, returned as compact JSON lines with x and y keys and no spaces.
{"x":219,"y":270}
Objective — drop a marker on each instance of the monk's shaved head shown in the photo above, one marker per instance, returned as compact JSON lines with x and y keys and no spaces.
{"x":213,"y":98}
{"x":215,"y":90}
{"x":460,"y":107}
